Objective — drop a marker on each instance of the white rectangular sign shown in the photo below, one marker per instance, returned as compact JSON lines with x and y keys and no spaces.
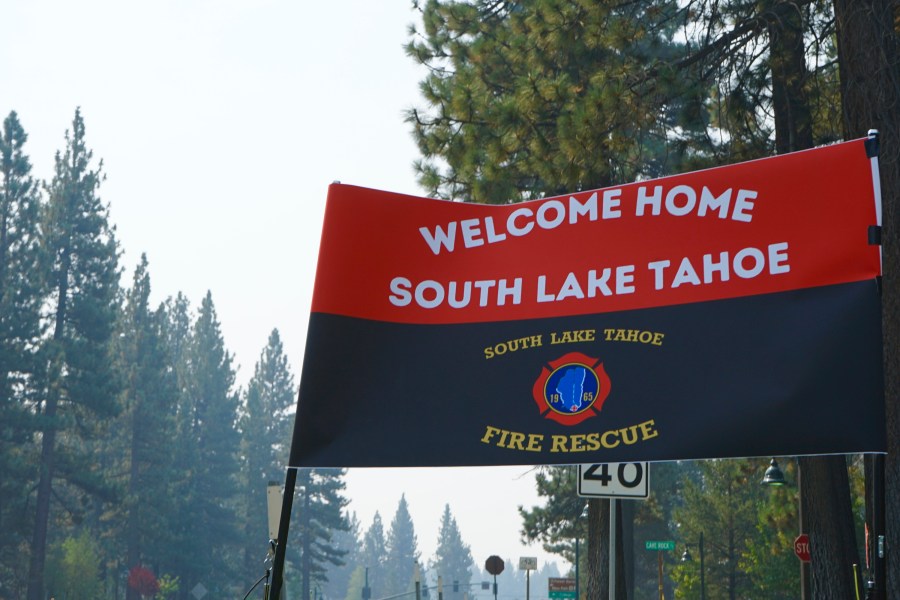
{"x":614,"y":480}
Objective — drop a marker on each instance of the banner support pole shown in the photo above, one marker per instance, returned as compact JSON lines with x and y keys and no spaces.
{"x":290,"y":483}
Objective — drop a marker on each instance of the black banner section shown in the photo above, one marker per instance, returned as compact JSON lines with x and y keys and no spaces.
{"x":791,"y":373}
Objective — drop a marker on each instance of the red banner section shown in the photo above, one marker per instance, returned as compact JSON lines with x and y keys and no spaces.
{"x":777,"y":224}
{"x":726,"y":313}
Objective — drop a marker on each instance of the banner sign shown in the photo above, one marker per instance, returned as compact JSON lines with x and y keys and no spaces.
{"x":729,"y":312}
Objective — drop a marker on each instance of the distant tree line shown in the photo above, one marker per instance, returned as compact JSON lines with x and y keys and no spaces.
{"x":132,"y":465}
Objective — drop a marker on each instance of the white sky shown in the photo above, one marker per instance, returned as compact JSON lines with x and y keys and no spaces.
{"x":220,"y":124}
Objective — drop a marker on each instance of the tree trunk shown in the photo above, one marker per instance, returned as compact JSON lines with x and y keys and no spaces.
{"x":48,"y":441}
{"x":826,"y":506}
{"x":869,"y":60}
{"x":832,"y":539}
{"x":598,"y":552}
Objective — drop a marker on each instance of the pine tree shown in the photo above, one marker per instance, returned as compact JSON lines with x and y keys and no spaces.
{"x":206,"y":458}
{"x":319,"y":507}
{"x":21,"y":293}
{"x":544,"y":97}
{"x":453,"y":558}
{"x":78,"y":384}
{"x":340,"y":577}
{"x":402,"y":551}
{"x":374,"y":557}
{"x":147,"y":424}
{"x":265,"y":426}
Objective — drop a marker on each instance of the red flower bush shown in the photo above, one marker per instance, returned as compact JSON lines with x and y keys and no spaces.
{"x":143,"y":581}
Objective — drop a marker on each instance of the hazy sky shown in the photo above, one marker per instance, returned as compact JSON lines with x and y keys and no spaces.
{"x":220,"y":124}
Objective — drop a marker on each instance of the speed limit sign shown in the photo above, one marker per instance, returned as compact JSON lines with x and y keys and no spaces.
{"x":614,"y":480}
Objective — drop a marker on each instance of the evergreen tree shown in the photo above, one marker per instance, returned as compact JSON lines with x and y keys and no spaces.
{"x":724,"y":506}
{"x":21,"y":294}
{"x":265,"y":425}
{"x":542,"y":97}
{"x":402,"y":551}
{"x":320,"y":505}
{"x":78,"y":384}
{"x":374,"y":557}
{"x":452,"y":559}
{"x":206,"y":457}
{"x":147,"y":424}
{"x":340,"y":577}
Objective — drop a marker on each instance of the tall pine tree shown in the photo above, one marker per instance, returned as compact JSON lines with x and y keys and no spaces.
{"x":21,"y":294}
{"x":206,"y":454}
{"x":148,"y":425}
{"x":374,"y":557}
{"x":402,"y":551}
{"x":78,"y":384}
{"x":320,"y":513}
{"x":452,"y":558}
{"x":265,"y":426}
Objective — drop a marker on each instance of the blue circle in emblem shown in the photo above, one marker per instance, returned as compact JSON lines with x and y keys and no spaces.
{"x":571,"y":389}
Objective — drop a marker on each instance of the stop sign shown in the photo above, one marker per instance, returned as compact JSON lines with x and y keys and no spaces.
{"x":801,"y":547}
{"x":494,"y":565}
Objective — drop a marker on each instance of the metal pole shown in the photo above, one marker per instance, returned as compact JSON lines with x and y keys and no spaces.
{"x":284,"y":524}
{"x":418,"y":583}
{"x":804,"y":567}
{"x":527,"y":584}
{"x":878,"y":526}
{"x":612,"y":548}
{"x":577,"y":591}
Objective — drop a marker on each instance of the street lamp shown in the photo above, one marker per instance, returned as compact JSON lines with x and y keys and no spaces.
{"x":774,"y":475}
{"x":686,"y":557}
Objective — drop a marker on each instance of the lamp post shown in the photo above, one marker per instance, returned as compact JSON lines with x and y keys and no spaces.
{"x":774,"y":477}
{"x":686,"y":557}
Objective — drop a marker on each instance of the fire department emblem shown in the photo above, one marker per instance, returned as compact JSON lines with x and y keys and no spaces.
{"x":571,"y":388}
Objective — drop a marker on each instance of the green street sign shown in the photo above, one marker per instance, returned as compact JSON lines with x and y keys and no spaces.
{"x":660,"y":545}
{"x":561,"y":588}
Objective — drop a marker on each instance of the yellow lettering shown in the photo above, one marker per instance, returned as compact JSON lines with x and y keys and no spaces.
{"x":593,"y":440}
{"x":516,"y":441}
{"x":607,"y":444}
{"x":626,"y":439}
{"x":489,"y":433}
{"x":657,"y":339}
{"x":577,"y":441}
{"x":647,"y":430}
{"x":535,"y":440}
{"x":558,"y":443}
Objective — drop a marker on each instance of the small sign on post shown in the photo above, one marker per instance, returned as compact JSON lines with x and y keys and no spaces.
{"x":561,"y":588}
{"x":801,"y":548}
{"x":614,"y":480}
{"x":660,"y":545}
{"x":528,"y":563}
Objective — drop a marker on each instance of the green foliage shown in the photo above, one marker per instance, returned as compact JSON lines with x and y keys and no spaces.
{"x":453,"y":557}
{"x":318,"y":514}
{"x":168,"y":587}
{"x":265,"y":426}
{"x":206,"y":457}
{"x":402,"y":551}
{"x":542,"y":97}
{"x":73,"y":569}
{"x":21,"y":293}
{"x":747,"y":530}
